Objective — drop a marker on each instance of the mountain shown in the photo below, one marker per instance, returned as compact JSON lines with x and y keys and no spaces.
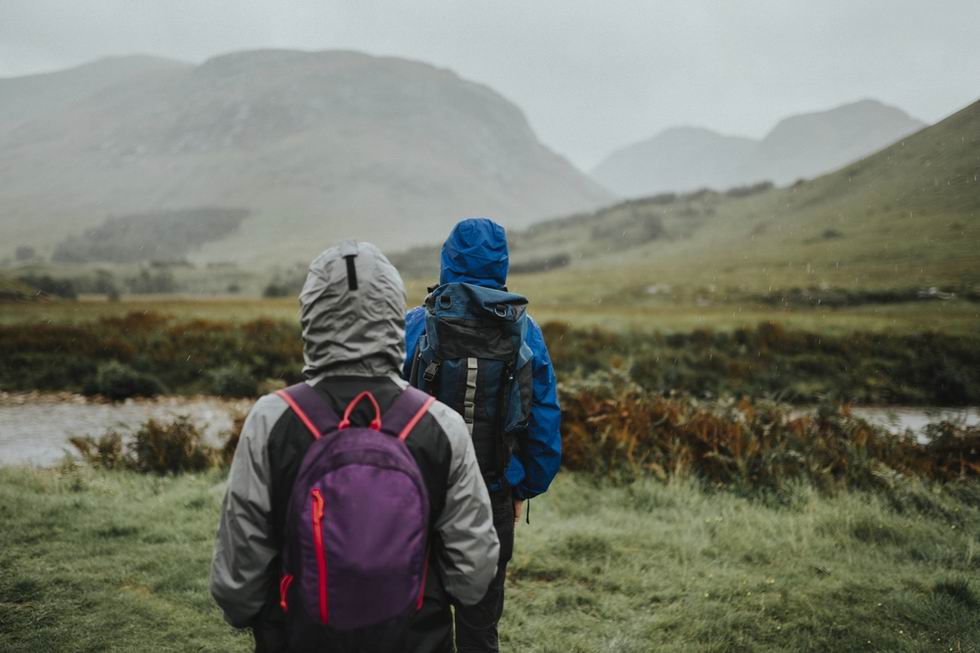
{"x":672,"y":159}
{"x":801,"y":146}
{"x":906,"y":217}
{"x":314,"y":146}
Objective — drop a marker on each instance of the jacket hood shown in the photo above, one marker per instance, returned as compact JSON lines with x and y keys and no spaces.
{"x":352,"y":309}
{"x":476,"y":253}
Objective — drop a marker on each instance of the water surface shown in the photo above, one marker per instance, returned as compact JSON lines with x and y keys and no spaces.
{"x":34,"y":428}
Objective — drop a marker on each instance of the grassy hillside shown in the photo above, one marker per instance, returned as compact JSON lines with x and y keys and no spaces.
{"x":907,"y":217}
{"x":651,"y":566}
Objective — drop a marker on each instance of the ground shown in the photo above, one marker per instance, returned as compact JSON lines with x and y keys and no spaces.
{"x":103,"y":561}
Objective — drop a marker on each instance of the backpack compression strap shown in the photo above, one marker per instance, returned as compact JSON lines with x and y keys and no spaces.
{"x":406,"y":411}
{"x":311,"y":407}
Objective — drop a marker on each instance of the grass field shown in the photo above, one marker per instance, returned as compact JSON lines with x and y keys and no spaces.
{"x":103,"y":561}
{"x":953,"y":317}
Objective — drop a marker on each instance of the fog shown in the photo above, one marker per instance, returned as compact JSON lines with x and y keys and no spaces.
{"x":590,"y":79}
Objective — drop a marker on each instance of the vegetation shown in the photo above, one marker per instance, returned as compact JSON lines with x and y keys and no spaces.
{"x":148,"y":283}
{"x":102,"y":561}
{"x":117,"y":380}
{"x":157,"y":448}
{"x":143,"y":353}
{"x":840,"y":297}
{"x":140,"y":353}
{"x":864,"y":368}
{"x":161,"y":235}
{"x":47,"y":285}
{"x":614,"y":429}
{"x":905,"y":217}
{"x":674,"y":312}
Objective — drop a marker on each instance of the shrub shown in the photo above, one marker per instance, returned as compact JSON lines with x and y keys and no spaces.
{"x":277,"y":289}
{"x":156,"y":447}
{"x":170,"y":448}
{"x":612,"y":427}
{"x":148,"y":283}
{"x":48,"y":285}
{"x":106,"y":452}
{"x":234,"y":380}
{"x":117,"y":380}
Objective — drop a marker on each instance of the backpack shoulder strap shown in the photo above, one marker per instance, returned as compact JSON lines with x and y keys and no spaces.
{"x":312,"y":408}
{"x":405,"y":412}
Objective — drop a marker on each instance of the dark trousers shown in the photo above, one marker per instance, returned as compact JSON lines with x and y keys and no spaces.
{"x":476,"y":625}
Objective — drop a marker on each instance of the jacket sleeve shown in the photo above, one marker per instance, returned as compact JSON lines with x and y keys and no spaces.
{"x":540,"y":454}
{"x":470,"y":547}
{"x":414,"y":326}
{"x":240,"y":569}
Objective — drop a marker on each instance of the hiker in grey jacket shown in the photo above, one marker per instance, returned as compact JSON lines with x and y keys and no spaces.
{"x":352,"y":314}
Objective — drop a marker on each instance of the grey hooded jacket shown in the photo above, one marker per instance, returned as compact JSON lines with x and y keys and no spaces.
{"x":352,"y":308}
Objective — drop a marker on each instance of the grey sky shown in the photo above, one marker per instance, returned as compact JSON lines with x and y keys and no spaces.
{"x":591,"y":76}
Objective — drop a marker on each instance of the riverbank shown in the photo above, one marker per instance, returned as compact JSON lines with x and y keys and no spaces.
{"x":651,"y":566}
{"x":35,"y":426}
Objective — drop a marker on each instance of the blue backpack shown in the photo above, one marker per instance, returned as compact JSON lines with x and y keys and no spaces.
{"x":472,"y":357}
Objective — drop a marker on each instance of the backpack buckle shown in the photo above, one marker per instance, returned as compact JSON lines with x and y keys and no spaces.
{"x":430,"y":372}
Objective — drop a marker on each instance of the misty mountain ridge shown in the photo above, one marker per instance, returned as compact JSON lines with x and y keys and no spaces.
{"x":316,"y":146}
{"x":800,"y":146}
{"x":905,"y":216}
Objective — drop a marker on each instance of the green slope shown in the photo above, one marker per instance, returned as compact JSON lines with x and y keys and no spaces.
{"x":905,"y":217}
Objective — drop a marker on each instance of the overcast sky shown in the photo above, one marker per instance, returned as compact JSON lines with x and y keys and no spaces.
{"x":591,"y":76}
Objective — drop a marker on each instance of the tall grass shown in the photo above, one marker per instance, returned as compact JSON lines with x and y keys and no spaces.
{"x":107,"y":562}
{"x":146,"y":350}
{"x":611,"y":427}
{"x":797,"y":366}
{"x":141,"y":353}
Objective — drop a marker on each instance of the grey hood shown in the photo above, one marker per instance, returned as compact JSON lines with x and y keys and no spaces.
{"x":353,"y":324}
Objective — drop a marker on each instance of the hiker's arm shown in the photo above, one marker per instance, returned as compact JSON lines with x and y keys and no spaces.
{"x":540,"y":453}
{"x":243,"y":551}
{"x":470,"y":547}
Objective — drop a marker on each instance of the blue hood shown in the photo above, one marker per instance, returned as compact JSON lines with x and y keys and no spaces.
{"x":476,"y":253}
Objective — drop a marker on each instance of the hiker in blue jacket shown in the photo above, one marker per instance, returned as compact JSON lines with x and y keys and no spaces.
{"x":476,"y":254}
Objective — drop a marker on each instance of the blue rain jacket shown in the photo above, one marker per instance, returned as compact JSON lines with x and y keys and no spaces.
{"x":476,"y":253}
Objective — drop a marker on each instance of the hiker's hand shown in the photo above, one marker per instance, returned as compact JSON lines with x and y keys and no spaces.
{"x":518,"y":507}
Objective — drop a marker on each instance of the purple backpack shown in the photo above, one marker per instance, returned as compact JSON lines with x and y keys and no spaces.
{"x":356,"y":547}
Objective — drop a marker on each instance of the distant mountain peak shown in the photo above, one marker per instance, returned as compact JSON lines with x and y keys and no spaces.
{"x":802,"y":145}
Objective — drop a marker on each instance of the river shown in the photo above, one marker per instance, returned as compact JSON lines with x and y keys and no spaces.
{"x":34,"y":427}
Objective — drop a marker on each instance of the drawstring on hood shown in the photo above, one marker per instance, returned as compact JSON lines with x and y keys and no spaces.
{"x":352,"y":309}
{"x":475,"y":253}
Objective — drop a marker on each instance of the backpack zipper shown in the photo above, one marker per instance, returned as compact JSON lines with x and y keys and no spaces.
{"x":425,"y":575}
{"x":284,"y":591}
{"x":321,"y":556}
